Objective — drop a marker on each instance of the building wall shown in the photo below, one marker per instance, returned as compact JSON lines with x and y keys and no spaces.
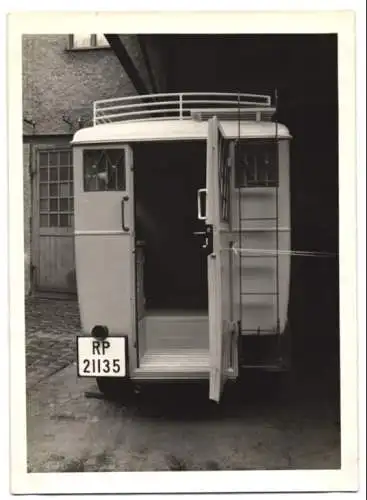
{"x":59,"y":82}
{"x":59,"y":88}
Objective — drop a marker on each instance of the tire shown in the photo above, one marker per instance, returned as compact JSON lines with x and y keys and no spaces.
{"x":114,"y":388}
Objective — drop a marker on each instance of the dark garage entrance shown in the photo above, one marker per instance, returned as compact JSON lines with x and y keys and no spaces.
{"x":304,"y":70}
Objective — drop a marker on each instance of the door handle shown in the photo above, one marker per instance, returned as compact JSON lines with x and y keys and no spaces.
{"x":123,"y":224}
{"x":200,"y":193}
{"x":208,"y":245}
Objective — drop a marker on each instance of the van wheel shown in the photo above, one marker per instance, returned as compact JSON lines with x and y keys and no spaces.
{"x":114,"y":388}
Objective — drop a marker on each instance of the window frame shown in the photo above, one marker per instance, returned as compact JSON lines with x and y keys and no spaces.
{"x":70,"y":212}
{"x":92,"y":46}
{"x":105,"y":151}
{"x":272,"y":182}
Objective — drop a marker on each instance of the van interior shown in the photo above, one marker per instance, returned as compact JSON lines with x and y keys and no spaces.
{"x":167,"y":178}
{"x":174,"y":281}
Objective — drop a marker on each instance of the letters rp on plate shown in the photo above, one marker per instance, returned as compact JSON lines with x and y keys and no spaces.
{"x":101,"y":358}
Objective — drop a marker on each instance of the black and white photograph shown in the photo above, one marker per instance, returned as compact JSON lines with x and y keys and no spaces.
{"x":180,"y":242}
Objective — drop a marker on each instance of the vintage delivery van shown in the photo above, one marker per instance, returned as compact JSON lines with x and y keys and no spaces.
{"x":182,"y":239}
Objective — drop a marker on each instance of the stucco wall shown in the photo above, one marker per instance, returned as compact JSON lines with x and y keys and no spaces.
{"x":59,"y":82}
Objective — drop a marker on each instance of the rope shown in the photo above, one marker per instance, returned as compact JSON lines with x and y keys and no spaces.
{"x":298,"y":253}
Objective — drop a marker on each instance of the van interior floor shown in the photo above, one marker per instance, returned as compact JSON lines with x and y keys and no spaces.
{"x":174,"y":340}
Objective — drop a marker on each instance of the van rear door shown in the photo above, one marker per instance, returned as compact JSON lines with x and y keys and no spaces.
{"x":222,"y":325}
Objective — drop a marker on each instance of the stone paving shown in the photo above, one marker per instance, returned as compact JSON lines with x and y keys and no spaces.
{"x":51,"y":328}
{"x":162,"y":428}
{"x":175,"y":428}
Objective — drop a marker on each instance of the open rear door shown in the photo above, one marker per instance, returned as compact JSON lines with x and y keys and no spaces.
{"x":222,"y":324}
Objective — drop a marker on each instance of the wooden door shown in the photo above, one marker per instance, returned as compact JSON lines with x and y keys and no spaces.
{"x":53,"y":234}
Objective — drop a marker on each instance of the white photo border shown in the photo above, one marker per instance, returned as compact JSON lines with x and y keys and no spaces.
{"x":345,"y":479}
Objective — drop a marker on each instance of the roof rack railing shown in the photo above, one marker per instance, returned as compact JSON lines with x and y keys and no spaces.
{"x":197,"y":105}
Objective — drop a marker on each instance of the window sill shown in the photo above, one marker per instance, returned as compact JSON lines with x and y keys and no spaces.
{"x":86,"y":49}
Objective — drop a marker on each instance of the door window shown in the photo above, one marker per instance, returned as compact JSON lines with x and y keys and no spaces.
{"x":104,"y":170}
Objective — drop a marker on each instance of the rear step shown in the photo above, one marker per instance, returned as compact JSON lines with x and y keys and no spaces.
{"x":174,"y":364}
{"x":183,"y":360}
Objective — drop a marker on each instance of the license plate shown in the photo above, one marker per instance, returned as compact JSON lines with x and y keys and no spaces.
{"x":101,"y":358}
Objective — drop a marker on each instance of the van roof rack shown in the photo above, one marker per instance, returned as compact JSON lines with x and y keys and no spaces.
{"x":180,"y":106}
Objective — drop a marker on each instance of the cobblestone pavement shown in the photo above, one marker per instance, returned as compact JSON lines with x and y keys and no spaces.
{"x":51,"y":327}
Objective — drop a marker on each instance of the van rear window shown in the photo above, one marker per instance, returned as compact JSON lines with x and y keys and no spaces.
{"x":257,"y":164}
{"x":104,"y":170}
